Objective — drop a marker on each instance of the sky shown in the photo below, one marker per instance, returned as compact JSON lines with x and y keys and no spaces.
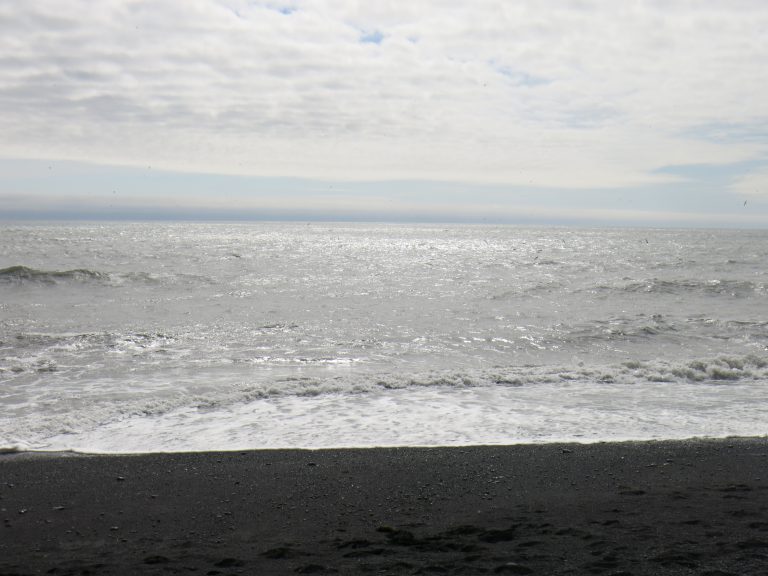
{"x":596,"y":112}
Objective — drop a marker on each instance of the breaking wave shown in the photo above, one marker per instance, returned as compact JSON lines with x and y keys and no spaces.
{"x":33,"y":429}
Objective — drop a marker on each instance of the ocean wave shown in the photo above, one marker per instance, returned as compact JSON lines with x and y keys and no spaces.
{"x":49,"y":418}
{"x":715,"y":370}
{"x":31,"y":352}
{"x":24,"y":274}
{"x":748,"y":368}
{"x":715,"y":287}
{"x":105,"y":340}
{"x":640,"y":328}
{"x":21,"y":275}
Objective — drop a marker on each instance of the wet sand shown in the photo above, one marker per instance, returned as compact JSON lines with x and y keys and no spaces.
{"x":687,"y":507}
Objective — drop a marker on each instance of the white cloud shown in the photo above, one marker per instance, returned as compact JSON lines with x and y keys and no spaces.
{"x":580,"y":94}
{"x":753,"y":184}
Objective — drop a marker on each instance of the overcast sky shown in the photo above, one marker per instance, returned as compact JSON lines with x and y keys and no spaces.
{"x":608,"y":112}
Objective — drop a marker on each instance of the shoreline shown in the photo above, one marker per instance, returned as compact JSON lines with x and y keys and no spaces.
{"x":21,"y":453}
{"x":696,"y":506}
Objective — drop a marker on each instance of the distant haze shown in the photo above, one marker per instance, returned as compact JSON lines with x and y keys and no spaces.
{"x":588,"y":112}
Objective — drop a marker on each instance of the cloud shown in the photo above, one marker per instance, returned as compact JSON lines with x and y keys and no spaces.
{"x":753,"y":184}
{"x":55,"y":190}
{"x":586,"y":94}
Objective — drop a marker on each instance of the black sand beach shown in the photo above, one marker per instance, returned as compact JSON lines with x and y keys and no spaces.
{"x":688,"y":507}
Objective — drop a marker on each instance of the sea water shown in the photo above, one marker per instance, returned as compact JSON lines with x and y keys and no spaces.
{"x":140,"y":337}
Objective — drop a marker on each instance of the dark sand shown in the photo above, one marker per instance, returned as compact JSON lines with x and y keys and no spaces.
{"x":692,"y":507}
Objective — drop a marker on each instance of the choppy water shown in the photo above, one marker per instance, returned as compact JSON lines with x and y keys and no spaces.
{"x":152,"y":337}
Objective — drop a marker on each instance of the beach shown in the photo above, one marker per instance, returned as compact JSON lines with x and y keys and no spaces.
{"x":667,"y":507}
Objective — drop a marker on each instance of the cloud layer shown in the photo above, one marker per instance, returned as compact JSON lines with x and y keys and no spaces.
{"x":555,"y":94}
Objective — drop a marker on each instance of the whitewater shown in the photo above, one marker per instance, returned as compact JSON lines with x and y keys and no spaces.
{"x":149,"y":337}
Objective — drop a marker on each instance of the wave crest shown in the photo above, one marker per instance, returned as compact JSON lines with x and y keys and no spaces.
{"x":715,"y":287}
{"x":22,"y":274}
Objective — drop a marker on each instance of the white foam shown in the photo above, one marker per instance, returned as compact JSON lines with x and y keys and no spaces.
{"x":442,"y":416}
{"x":353,"y":407}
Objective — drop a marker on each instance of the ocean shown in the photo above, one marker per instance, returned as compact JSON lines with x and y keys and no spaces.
{"x":156,"y":337}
